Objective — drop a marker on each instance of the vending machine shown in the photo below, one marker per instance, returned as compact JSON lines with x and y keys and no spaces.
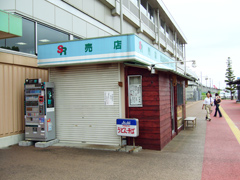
{"x":39,"y":110}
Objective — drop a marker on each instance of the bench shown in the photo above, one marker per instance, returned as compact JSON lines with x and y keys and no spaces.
{"x":192,"y":119}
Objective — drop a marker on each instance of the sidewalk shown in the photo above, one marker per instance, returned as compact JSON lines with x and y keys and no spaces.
{"x":208,"y":152}
{"x":187,"y":148}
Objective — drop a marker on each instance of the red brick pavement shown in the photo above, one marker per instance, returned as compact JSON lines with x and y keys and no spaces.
{"x":222,"y":150}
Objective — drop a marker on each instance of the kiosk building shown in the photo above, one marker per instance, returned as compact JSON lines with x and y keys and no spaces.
{"x":97,"y":53}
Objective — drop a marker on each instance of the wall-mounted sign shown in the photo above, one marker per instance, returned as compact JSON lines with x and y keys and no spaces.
{"x":127,"y":127}
{"x":135,"y":90}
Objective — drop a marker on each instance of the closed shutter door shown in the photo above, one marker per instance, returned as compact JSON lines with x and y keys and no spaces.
{"x":81,"y":114}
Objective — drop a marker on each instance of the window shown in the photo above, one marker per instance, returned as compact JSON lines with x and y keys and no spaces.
{"x":151,"y":12}
{"x":2,"y":43}
{"x":148,"y":9}
{"x":135,"y":2}
{"x":24,"y":43}
{"x":167,"y":32}
{"x":162,"y":26}
{"x":135,"y":90}
{"x":49,"y":35}
{"x":171,"y":35}
{"x":28,"y":42}
{"x":179,"y":94}
{"x":144,"y":3}
{"x":181,"y":47}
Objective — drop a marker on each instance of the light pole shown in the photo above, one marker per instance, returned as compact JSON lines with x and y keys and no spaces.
{"x":185,"y":67}
{"x":206,"y":78}
{"x":153,"y":71}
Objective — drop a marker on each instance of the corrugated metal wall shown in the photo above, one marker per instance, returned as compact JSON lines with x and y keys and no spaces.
{"x":81,"y":115}
{"x":12,"y":79}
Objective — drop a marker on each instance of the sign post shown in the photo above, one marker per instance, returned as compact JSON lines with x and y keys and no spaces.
{"x":128,"y":127}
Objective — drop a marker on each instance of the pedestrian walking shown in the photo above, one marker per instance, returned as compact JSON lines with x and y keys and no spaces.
{"x":217,"y":102}
{"x":212,"y":104}
{"x":207,"y":103}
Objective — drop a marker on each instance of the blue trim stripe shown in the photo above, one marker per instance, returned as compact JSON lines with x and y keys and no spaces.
{"x":130,"y":122}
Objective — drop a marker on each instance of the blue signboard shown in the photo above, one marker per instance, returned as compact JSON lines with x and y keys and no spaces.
{"x":106,"y":49}
{"x":149,"y":54}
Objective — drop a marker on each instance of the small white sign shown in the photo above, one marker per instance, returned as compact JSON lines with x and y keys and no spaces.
{"x":50,"y":109}
{"x":49,"y":126}
{"x":135,"y":94}
{"x":108,"y":98}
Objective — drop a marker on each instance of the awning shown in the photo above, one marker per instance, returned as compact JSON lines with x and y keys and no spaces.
{"x":110,"y":49}
{"x":162,"y":69}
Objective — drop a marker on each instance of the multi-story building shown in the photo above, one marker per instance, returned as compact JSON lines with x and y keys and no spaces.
{"x":97,"y":52}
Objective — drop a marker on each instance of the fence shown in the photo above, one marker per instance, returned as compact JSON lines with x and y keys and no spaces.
{"x":12,"y":78}
{"x":196,"y":93}
{"x":193,"y":95}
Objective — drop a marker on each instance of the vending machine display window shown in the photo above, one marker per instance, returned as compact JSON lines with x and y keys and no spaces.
{"x":50,"y":99}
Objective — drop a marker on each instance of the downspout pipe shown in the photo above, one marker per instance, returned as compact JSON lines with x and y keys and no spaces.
{"x":158,"y":19}
{"x":121,"y":17}
{"x":184,"y":58}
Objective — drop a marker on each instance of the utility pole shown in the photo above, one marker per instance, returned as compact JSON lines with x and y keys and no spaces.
{"x":206,"y":78}
{"x":201,"y":77}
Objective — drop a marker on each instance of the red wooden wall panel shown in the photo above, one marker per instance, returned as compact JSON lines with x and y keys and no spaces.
{"x":155,"y":124}
{"x":165,"y":109}
{"x":148,"y":115}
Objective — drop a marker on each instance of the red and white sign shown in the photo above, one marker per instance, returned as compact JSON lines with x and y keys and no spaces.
{"x":127,"y":127}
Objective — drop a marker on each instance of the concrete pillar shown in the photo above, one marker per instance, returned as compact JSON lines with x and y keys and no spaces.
{"x":165,"y":33}
{"x":121,"y":17}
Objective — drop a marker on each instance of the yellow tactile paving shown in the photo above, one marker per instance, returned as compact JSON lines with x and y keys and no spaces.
{"x":231,"y":124}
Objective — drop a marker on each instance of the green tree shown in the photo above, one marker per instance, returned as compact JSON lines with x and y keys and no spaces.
{"x":230,"y":77}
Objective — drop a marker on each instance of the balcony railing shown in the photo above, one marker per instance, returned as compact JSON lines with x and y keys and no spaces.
{"x":148,"y":27}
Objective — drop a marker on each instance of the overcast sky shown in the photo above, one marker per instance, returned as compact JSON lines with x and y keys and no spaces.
{"x":212,"y":28}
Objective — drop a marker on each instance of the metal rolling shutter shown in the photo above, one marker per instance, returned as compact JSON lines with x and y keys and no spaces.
{"x":81,"y":115}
